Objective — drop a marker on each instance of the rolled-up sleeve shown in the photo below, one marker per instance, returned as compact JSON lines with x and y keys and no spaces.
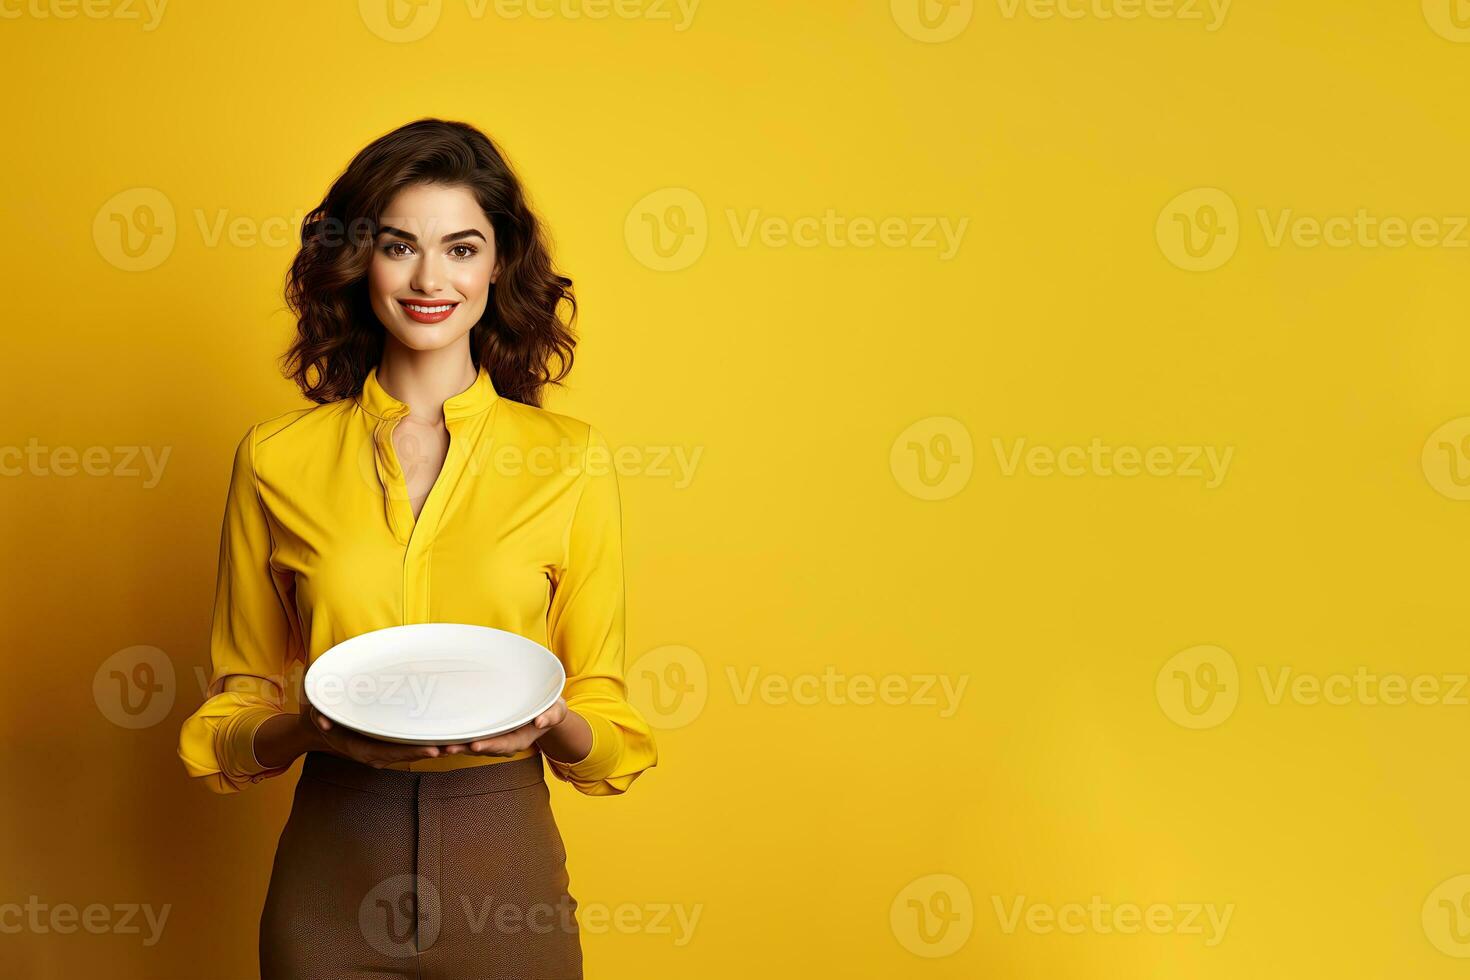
{"x":585,"y":627}
{"x":252,"y":639}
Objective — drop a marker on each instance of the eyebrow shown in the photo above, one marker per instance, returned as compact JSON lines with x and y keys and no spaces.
{"x":467,"y":233}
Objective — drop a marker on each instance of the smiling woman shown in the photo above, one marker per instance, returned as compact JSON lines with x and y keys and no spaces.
{"x":430,"y":214}
{"x":425,"y":338}
{"x":406,"y":280}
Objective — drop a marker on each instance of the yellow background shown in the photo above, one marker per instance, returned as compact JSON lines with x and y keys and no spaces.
{"x":807,"y":837}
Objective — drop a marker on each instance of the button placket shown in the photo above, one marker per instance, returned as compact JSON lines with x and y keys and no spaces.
{"x":420,"y":539}
{"x":416,"y":535}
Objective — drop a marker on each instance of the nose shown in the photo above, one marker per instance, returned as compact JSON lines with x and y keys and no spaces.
{"x":426,"y":276}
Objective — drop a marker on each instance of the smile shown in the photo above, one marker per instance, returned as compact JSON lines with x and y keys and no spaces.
{"x":427,"y":312}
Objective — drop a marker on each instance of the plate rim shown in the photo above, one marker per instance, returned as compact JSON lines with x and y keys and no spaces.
{"x":474,"y":735}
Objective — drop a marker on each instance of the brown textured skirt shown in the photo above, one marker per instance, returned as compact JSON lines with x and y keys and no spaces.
{"x":389,"y":873}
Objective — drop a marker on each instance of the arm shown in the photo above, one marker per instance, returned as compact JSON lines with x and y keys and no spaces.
{"x":585,"y":629}
{"x":242,"y":733}
{"x":252,"y":638}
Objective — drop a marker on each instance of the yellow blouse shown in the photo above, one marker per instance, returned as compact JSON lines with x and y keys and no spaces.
{"x":521,"y":531}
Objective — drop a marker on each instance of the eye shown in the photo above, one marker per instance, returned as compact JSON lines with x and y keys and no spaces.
{"x":388,"y":249}
{"x":469,"y":251}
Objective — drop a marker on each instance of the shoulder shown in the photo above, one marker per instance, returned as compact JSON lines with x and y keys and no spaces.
{"x":292,"y":436}
{"x":565,"y":449}
{"x":535,"y":426}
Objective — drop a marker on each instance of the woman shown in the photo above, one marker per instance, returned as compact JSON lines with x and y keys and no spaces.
{"x":425,"y":485}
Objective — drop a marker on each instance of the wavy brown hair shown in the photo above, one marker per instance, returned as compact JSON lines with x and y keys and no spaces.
{"x":338,"y":336}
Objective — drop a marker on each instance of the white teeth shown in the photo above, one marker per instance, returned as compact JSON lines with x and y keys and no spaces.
{"x":430,"y":309}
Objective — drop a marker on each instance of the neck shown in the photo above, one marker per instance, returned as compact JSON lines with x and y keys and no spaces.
{"x":424,"y":379}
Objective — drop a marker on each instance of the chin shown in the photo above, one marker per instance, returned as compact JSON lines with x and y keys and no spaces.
{"x":424,"y":346}
{"x":423,"y":338}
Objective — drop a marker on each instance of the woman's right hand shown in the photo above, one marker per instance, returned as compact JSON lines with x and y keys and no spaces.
{"x":348,"y":744}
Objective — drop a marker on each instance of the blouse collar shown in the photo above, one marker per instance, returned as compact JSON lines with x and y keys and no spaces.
{"x":376,"y":401}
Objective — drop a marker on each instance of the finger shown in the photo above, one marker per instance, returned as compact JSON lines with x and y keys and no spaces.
{"x":500,"y":745}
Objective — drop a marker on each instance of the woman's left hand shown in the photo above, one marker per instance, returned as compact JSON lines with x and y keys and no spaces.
{"x":515,"y":740}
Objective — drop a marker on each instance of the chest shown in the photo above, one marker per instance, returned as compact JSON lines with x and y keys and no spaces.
{"x":421,"y":449}
{"x":444,"y":532}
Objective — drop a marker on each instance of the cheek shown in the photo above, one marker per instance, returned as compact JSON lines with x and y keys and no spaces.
{"x":472,"y":281}
{"x":473,"y":284}
{"x":383,"y":283}
{"x":384,"y":278}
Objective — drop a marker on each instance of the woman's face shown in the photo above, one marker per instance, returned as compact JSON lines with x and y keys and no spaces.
{"x":433,"y":263}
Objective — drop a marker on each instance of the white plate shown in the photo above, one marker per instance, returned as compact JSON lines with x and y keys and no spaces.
{"x":435,"y":683}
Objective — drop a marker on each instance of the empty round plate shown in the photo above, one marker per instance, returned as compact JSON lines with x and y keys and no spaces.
{"x":435,"y":683}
